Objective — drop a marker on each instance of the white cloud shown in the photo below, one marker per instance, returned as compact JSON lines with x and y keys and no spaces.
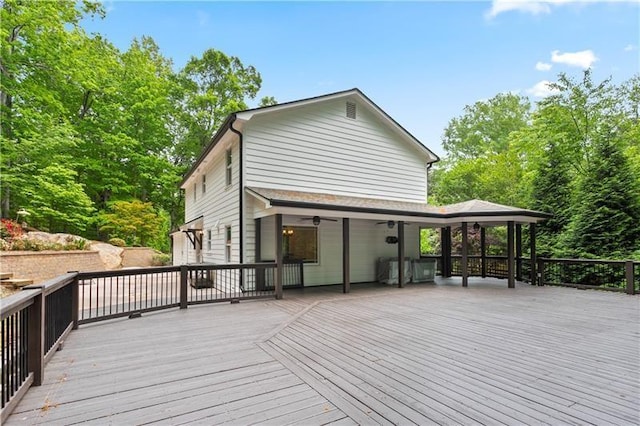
{"x":543,"y":66}
{"x":536,"y":7}
{"x":541,"y":89}
{"x":501,"y":6}
{"x":630,"y":48}
{"x":583,"y":59}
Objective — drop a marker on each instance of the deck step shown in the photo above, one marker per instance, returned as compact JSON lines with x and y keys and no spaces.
{"x":17,"y":282}
{"x":5,"y":275}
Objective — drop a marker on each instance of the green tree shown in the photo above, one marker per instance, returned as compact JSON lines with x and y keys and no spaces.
{"x":485,"y":126}
{"x":134,"y":221}
{"x":552,"y":193}
{"x":607,"y":219}
{"x":214,"y":86}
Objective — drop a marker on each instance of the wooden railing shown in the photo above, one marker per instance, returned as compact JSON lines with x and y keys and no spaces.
{"x":36,"y":321}
{"x":611,"y":275}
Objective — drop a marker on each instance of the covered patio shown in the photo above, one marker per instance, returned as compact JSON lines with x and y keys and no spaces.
{"x":275,"y":205}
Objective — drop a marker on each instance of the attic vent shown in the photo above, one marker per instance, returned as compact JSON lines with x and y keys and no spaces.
{"x":351,"y":110}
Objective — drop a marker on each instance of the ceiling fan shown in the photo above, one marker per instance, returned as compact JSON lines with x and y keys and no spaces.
{"x":317,"y":219}
{"x":390,"y":223}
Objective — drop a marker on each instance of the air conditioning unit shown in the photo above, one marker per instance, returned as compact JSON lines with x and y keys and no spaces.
{"x":424,"y":270}
{"x":387,"y":270}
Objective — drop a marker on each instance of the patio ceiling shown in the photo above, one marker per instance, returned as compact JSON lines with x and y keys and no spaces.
{"x":279,"y":201}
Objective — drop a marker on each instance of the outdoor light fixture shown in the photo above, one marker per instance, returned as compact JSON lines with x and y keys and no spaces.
{"x":476,"y":226}
{"x":287,"y":231}
{"x":390,"y":224}
{"x":316,"y":220}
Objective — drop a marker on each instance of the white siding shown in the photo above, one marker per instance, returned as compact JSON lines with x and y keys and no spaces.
{"x":219,"y":207}
{"x":316,"y":148}
{"x":367,"y":244}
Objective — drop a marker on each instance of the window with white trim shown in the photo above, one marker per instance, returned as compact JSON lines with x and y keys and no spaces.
{"x":227,"y":242}
{"x":229,"y":169}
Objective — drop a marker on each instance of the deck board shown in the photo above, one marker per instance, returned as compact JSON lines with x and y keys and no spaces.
{"x":425,"y":354}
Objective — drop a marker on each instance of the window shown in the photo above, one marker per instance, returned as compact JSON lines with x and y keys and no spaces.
{"x":300,"y":243}
{"x":204,"y":183}
{"x":209,"y":239}
{"x":195,"y":192}
{"x":229,"y":167}
{"x":227,"y":252}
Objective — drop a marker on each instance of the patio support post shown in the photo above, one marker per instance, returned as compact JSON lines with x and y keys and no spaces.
{"x":518,"y":251}
{"x":445,"y":248}
{"x":465,"y":251}
{"x":258,"y":254}
{"x":400,"y":253}
{"x":279,"y":256}
{"x":483,"y":252}
{"x":532,"y":249}
{"x":346,"y":279}
{"x":258,"y":240}
{"x":511,"y":282}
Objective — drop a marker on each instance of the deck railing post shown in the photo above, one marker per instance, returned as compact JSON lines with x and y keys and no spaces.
{"x":35,"y":339}
{"x":184,"y":278}
{"x":628,"y":266}
{"x":75,"y":299}
{"x":518,"y":251}
{"x":540,"y":278}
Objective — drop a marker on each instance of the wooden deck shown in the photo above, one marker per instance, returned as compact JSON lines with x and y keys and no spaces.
{"x":425,"y":354}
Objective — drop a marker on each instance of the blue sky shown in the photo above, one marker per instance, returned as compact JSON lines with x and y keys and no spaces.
{"x":422,"y":62}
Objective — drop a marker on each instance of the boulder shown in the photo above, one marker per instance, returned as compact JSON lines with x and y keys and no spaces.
{"x":110,"y":255}
{"x":61,"y":239}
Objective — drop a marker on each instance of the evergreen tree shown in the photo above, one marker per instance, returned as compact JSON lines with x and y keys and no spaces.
{"x":551,"y":193}
{"x":607,"y":219}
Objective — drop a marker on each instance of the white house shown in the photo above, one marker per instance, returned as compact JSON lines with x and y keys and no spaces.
{"x":325,"y":180}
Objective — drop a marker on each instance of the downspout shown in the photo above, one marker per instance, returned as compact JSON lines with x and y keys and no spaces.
{"x":241,"y":189}
{"x":429,"y":165}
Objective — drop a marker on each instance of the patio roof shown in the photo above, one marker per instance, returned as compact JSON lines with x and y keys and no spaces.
{"x":489,"y":212}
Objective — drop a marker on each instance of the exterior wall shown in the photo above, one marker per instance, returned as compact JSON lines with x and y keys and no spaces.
{"x":316,"y":148}
{"x":219,"y":206}
{"x":367,"y":244}
{"x":41,"y":266}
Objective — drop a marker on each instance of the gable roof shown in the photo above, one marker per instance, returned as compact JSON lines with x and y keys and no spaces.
{"x":247,"y":114}
{"x":475,"y":208}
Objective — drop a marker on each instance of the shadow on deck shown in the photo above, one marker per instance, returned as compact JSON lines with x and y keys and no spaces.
{"x":424,"y":354}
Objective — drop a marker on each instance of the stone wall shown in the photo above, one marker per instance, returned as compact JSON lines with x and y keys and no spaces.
{"x":44,"y":265}
{"x":141,"y":257}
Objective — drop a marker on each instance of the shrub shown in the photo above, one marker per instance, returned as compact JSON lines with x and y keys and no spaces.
{"x":118,"y":242}
{"x":161,"y":259}
{"x":9,"y":229}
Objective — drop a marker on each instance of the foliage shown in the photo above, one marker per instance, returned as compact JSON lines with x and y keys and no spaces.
{"x":85,"y":124}
{"x":607,"y":220}
{"x":429,"y":241}
{"x":10,"y":229}
{"x":576,"y":156}
{"x":485,"y":126}
{"x":118,"y":242}
{"x":161,"y":259}
{"x":133,"y":221}
{"x":27,"y":243}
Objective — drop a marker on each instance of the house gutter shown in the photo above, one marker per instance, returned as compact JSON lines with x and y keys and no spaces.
{"x":240,"y":188}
